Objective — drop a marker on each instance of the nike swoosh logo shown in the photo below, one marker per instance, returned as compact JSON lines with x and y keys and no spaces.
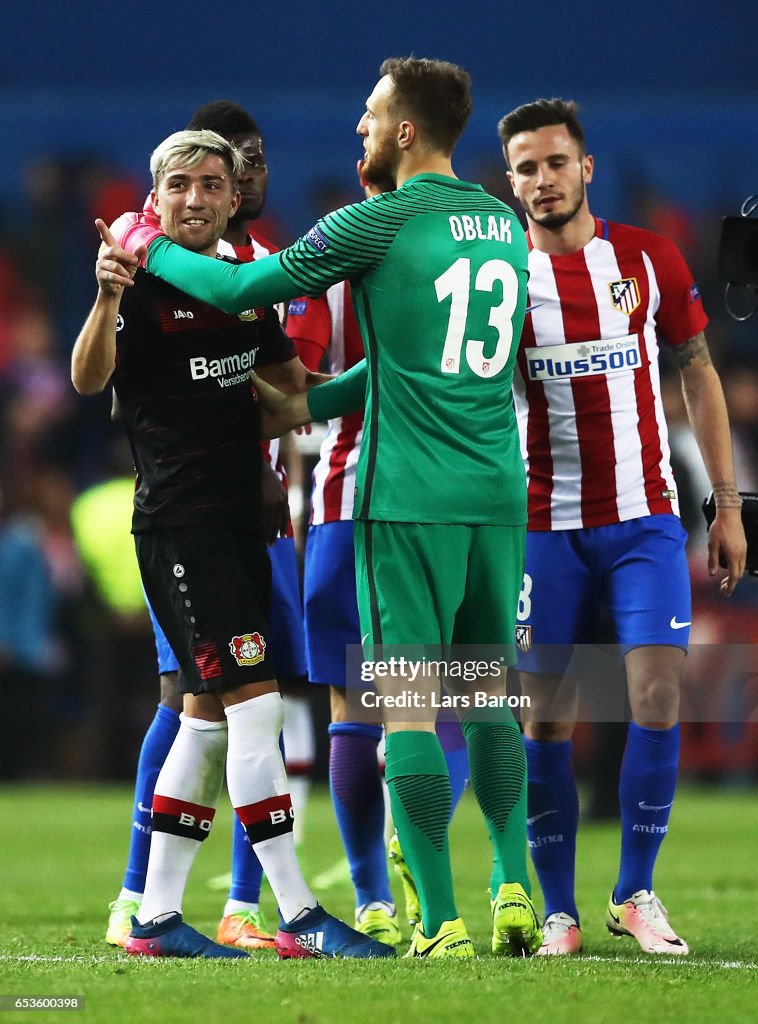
{"x":536,"y":817}
{"x":535,"y":306}
{"x":616,"y":919}
{"x":678,"y":625}
{"x":433,"y":945}
{"x":142,"y":809}
{"x":365,"y":637}
{"x":653,"y":807}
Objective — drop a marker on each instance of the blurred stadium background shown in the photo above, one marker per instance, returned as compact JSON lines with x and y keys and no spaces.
{"x":669,"y":97}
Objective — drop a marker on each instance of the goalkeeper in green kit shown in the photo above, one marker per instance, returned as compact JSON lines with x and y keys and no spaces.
{"x":438,"y":272}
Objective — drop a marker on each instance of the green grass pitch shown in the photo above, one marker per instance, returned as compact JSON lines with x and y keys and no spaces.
{"x":62,"y":857}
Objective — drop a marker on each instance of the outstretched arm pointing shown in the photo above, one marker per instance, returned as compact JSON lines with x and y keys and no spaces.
{"x":93,"y":358}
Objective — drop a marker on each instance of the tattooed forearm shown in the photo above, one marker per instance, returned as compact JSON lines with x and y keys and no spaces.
{"x":726,"y":495}
{"x":694,"y":351}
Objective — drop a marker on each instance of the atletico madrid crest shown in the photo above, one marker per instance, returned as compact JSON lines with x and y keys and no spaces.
{"x":625,"y":295}
{"x":523,"y":638}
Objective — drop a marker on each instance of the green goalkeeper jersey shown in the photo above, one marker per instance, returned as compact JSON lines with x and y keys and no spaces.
{"x":438,"y":272}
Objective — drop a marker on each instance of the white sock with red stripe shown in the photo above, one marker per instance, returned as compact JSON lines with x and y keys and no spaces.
{"x":183,"y":808}
{"x":259,"y":792}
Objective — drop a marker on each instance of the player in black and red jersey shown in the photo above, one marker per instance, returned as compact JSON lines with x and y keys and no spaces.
{"x":180,"y":371}
{"x":242,"y":923}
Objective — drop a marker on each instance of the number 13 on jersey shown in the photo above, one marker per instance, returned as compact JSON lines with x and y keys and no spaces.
{"x":456,"y":283}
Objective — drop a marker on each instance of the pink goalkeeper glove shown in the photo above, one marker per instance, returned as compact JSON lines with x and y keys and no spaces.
{"x":132,"y":230}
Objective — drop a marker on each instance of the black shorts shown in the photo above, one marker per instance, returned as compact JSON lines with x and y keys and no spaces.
{"x":210,"y":589}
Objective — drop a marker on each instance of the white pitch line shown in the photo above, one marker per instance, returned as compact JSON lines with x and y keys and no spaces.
{"x":37,"y":959}
{"x":682,"y":961}
{"x":726,"y":965}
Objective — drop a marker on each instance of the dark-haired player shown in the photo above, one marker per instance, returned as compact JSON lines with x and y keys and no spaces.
{"x":603,"y":512}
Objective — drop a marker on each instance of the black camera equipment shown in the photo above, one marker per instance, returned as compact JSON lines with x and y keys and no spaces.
{"x":738,"y":255}
{"x":750,"y":523}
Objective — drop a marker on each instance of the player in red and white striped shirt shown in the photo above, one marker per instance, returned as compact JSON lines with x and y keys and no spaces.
{"x":588,"y":392}
{"x":603,"y":513}
{"x":318,"y":326}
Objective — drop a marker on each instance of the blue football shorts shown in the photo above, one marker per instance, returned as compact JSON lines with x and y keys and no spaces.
{"x":286,"y":615}
{"x":637,"y":568}
{"x":167,"y":661}
{"x":331,"y":605}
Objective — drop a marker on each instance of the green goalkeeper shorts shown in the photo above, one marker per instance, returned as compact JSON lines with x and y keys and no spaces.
{"x":436,"y":585}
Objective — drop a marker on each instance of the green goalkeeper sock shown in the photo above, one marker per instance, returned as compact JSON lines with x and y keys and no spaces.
{"x":419,"y":787}
{"x":497,"y":769}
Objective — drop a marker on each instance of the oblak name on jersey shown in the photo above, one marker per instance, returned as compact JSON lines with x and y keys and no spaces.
{"x":469,"y":227}
{"x":461,"y":256}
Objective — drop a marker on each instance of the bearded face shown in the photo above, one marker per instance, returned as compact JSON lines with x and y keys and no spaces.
{"x":379,"y":130}
{"x":549,"y":175}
